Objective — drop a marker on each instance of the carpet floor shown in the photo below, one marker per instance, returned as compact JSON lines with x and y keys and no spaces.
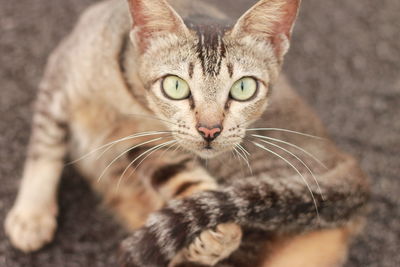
{"x":345,"y":61}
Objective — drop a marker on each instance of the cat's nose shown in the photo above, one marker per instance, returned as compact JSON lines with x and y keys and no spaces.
{"x":209,"y":133}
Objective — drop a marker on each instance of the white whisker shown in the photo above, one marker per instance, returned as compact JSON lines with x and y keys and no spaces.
{"x":233,"y":154}
{"x":148,"y":155}
{"x":246,"y":154}
{"x":292,"y":145}
{"x":177,"y":147}
{"x":297,"y":171}
{"x":171,"y":146}
{"x":300,"y":160}
{"x":126,"y":151}
{"x":243,"y":149}
{"x":137,"y":136}
{"x":236,"y":157}
{"x":129,"y":137}
{"x":244,"y":158}
{"x":150,"y":151}
{"x":285,"y":130}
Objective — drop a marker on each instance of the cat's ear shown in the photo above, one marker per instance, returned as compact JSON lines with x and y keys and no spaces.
{"x":151,"y":19}
{"x":271,"y":21}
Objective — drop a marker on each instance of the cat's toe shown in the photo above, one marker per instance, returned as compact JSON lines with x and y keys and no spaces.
{"x":213,"y":246}
{"x":30,"y":230}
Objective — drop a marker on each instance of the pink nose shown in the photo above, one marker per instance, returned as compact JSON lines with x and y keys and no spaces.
{"x":209,"y":134}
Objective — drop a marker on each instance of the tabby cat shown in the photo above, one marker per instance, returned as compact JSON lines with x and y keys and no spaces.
{"x":168,"y":120}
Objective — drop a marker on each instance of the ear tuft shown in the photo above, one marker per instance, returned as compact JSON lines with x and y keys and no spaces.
{"x":270,"y":20}
{"x":152,"y":18}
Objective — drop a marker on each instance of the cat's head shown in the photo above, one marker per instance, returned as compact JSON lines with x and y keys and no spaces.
{"x":210,"y":83}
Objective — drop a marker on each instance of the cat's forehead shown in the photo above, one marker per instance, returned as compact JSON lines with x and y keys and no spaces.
{"x":209,"y":54}
{"x":216,"y":51}
{"x":210,"y":48}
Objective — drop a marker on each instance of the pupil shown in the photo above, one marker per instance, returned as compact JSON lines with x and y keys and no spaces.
{"x":176,"y":85}
{"x":242,"y":86}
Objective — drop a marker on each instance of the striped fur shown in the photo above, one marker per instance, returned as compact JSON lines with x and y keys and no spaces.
{"x":278,"y":206}
{"x":184,"y":198}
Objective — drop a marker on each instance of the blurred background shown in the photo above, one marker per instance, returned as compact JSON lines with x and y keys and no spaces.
{"x":344,"y":60}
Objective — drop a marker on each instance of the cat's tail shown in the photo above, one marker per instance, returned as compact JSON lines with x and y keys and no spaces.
{"x":266,"y":204}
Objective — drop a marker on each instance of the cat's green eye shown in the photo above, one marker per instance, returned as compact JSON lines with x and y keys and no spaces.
{"x":175,"y":88}
{"x":244,"y":89}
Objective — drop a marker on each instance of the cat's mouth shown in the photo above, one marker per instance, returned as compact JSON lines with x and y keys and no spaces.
{"x":208,"y":146}
{"x":206,"y":149}
{"x":211,"y":150}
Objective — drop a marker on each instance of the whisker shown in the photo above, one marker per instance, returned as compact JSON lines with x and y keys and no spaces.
{"x":292,"y":145}
{"x":300,"y":160}
{"x":285,"y":130}
{"x":150,"y":151}
{"x":177,"y":147}
{"x":171,"y":146}
{"x":244,"y":158}
{"x":129,"y":137}
{"x":148,"y":155}
{"x":243,"y":149}
{"x":142,"y":135}
{"x":297,"y":171}
{"x":246,"y":154}
{"x":126,"y":151}
{"x":235,"y":155}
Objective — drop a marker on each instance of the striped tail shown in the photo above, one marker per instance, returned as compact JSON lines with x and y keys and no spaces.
{"x":265,"y":204}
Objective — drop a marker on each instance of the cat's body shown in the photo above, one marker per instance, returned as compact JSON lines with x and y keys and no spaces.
{"x":90,"y":97}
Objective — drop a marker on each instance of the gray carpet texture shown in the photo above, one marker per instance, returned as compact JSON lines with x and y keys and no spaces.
{"x":345,"y":61}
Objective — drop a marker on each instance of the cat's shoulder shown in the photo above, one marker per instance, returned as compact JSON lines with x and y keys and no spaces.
{"x":110,"y":16}
{"x":100,"y":30}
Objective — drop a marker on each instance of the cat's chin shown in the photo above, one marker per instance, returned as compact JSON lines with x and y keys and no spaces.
{"x":208,"y":153}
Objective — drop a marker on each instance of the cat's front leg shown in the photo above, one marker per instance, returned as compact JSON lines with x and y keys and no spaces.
{"x":166,"y":242}
{"x":212,"y":245}
{"x":184,"y":178}
{"x":32,"y":221}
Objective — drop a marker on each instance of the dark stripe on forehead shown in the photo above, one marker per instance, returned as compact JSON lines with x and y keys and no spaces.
{"x":230,"y":69}
{"x":210,"y":49}
{"x":191,"y":68}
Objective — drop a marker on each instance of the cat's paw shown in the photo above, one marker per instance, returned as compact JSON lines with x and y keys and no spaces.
{"x":212,"y":246}
{"x":29,"y":230}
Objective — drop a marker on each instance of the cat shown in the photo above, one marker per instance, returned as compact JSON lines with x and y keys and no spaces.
{"x":179,"y":119}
